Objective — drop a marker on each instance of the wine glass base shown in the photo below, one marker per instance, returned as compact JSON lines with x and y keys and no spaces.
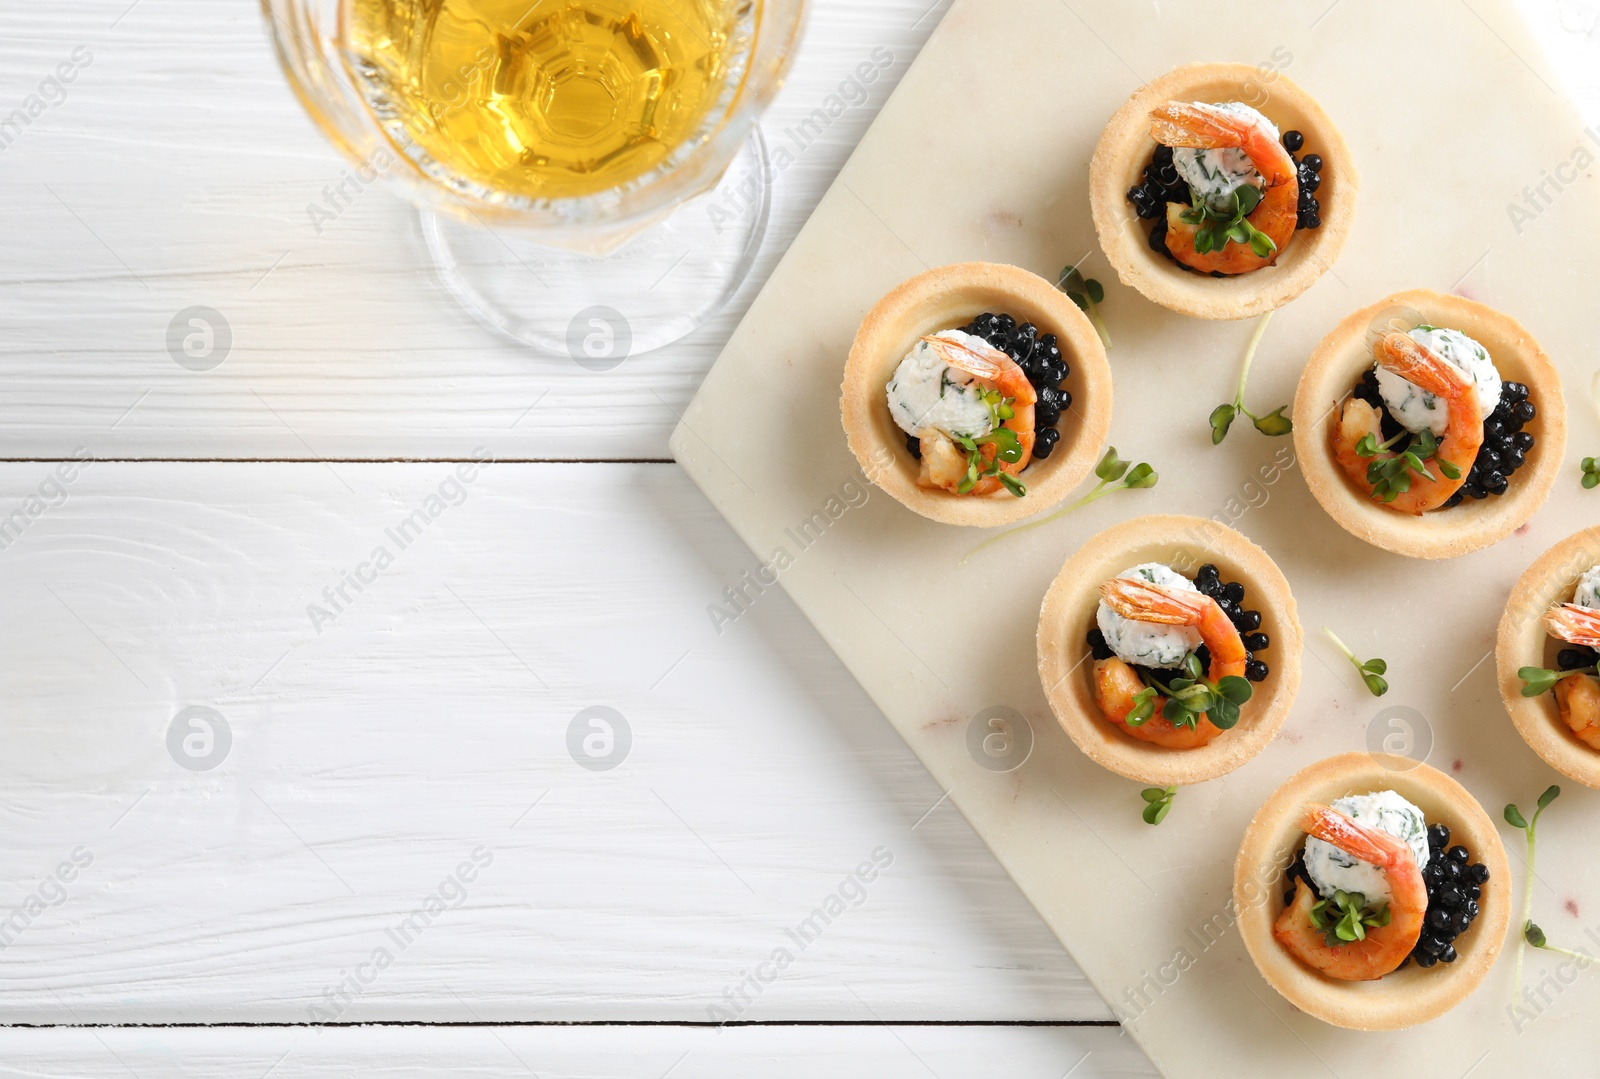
{"x":653,"y":290}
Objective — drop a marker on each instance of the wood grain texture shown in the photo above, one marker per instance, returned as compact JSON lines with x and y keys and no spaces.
{"x":869,"y":1052}
{"x":178,"y":171}
{"x":430,"y":719}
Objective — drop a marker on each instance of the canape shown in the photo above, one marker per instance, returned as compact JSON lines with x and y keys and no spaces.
{"x":1169,"y":648}
{"x":1545,"y":656}
{"x":1373,"y":891}
{"x":1430,"y":425}
{"x":1218,"y":198}
{"x":976,"y":394}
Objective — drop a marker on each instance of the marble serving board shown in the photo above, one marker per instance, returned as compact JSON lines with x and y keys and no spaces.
{"x":1475,"y":177}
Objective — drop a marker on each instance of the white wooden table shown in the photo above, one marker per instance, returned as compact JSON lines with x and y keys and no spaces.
{"x":241,"y":795}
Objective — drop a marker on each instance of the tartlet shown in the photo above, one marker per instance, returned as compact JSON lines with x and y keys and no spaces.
{"x":1068,"y":613}
{"x":947,"y":298}
{"x":1338,"y":364}
{"x":1407,"y":996}
{"x":1126,"y":147}
{"x":1523,"y":641}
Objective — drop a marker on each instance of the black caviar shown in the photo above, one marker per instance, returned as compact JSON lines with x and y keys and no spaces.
{"x":1505,"y":444}
{"x":1576,"y":658}
{"x":1455,"y":885}
{"x":1039,"y":356}
{"x":1230,"y":597}
{"x":1162,"y":184}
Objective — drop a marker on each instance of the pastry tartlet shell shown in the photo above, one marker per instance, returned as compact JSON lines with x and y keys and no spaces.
{"x":1407,"y":996}
{"x":1338,"y":364}
{"x":1125,"y":148}
{"x":1068,"y":613}
{"x":1523,"y":642}
{"x":948,"y":298}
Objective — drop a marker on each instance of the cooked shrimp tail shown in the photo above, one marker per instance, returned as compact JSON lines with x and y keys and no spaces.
{"x":1145,"y":602}
{"x":1574,"y":624}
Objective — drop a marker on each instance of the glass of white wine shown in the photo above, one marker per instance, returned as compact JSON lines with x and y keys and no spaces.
{"x":590,"y":174}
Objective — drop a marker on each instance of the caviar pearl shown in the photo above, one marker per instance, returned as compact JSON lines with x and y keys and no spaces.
{"x":1454,"y":883}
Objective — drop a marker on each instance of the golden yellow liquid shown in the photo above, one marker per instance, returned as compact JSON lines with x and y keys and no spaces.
{"x":543,"y":98}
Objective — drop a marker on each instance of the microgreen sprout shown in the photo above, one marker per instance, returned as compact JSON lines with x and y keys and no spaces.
{"x":1515,"y":818}
{"x":1191,"y":697}
{"x":1591,"y":473}
{"x":1088,"y":294}
{"x":1391,"y":476}
{"x":1535,"y":936}
{"x":1372,"y":670}
{"x":1346,"y":917}
{"x":1007,"y":449}
{"x":1158,"y":801}
{"x":1222,"y":417}
{"x":1218,"y":228}
{"x":1114,"y":474}
{"x":1539,"y":680}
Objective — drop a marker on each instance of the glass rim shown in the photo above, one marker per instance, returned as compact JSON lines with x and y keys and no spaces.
{"x":341,"y":112}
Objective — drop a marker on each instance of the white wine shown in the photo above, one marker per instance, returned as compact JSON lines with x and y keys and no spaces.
{"x":545,"y":99}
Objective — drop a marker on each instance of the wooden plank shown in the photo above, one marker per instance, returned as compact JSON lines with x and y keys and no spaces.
{"x":428,"y":720}
{"x":177,"y":171}
{"x":870,"y":1052}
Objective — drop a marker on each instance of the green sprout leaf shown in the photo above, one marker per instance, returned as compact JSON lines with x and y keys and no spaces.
{"x":1234,"y":689}
{"x":1158,"y":801}
{"x":1540,"y":680}
{"x":1111,"y":467}
{"x":1144,"y":706}
{"x":1274,"y":423}
{"x":1346,"y":917}
{"x":1370,"y":670}
{"x":1531,"y":933}
{"x":1221,"y":420}
{"x":1591,"y":473}
{"x":1109,"y":471}
{"x":1088,"y":294}
{"x":1222,"y":417}
{"x":1140,"y":476}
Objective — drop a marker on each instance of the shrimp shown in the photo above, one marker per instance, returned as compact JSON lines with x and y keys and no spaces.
{"x":1463,"y":433}
{"x":996,"y":371}
{"x":1193,"y":124}
{"x":1385,"y":947}
{"x":1115,"y":682}
{"x":1577,"y":695}
{"x":1574,"y":624}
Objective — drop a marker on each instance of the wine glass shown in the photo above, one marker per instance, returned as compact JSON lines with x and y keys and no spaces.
{"x":590,"y":174}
